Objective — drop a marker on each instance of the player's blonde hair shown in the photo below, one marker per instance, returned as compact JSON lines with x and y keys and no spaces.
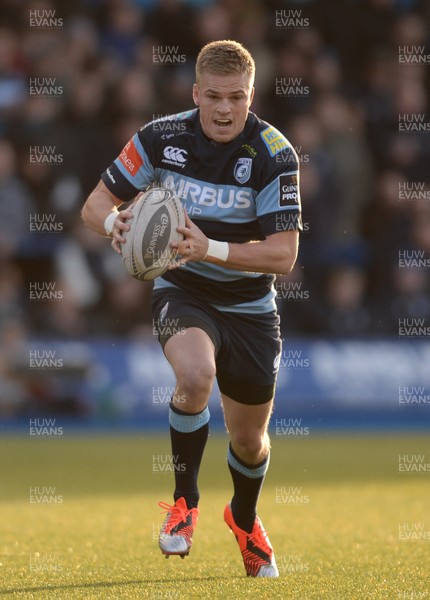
{"x":225,"y":57}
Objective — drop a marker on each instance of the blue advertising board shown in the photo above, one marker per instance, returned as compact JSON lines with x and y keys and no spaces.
{"x":321,"y":383}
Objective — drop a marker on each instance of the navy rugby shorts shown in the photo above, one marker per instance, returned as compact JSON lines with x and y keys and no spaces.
{"x":247,"y":346}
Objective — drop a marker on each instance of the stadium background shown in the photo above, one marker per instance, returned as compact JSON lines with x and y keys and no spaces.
{"x":78,"y":78}
{"x":83,"y":384}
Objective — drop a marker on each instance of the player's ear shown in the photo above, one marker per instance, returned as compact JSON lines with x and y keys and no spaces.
{"x":196,"y":94}
{"x":251,"y":97}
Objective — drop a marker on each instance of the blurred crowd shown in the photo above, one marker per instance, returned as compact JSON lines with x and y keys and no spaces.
{"x":78,"y":78}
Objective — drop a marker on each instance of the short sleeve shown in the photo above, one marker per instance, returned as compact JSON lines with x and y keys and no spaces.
{"x":131,"y":172}
{"x":278,"y":204}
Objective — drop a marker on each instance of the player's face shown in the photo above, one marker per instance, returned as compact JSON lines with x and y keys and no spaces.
{"x":224,"y":102}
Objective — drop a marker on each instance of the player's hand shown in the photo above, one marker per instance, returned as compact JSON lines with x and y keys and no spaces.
{"x":193,"y":247}
{"x":119,"y":228}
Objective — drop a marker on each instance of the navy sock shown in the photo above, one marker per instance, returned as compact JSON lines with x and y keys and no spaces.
{"x":188,"y":435}
{"x":247,"y":482}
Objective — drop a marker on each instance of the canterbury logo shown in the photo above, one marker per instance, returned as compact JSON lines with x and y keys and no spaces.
{"x":175,"y":154}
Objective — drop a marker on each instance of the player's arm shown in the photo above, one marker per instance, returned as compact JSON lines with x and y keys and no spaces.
{"x":100,"y":214}
{"x":276,"y":254}
{"x":130,"y":173}
{"x":278,"y":211}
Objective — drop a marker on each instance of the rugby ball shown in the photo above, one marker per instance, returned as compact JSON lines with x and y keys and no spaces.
{"x":146,"y":253}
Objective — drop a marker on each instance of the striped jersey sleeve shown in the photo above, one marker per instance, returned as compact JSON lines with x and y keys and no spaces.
{"x":131,"y":172}
{"x":278,"y":204}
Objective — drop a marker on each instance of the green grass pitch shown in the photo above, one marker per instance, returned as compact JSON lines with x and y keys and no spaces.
{"x":79,"y":519}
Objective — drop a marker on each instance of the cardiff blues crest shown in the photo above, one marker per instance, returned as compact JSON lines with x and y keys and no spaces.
{"x":242,"y":170}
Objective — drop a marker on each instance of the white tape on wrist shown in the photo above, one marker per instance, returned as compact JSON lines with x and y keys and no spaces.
{"x":218,"y":250}
{"x":110,"y":219}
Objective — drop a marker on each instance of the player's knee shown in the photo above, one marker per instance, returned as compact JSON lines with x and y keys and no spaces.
{"x":249,"y":442}
{"x":195,"y":383}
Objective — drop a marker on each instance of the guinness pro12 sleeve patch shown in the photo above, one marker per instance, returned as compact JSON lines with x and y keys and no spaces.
{"x":289,"y":195}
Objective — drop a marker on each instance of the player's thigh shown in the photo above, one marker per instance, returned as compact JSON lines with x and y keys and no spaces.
{"x":189,"y":336}
{"x":248,"y":363}
{"x":191,"y":353}
{"x":247,"y":424}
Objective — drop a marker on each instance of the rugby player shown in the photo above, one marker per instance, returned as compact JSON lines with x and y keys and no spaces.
{"x":237,"y":177}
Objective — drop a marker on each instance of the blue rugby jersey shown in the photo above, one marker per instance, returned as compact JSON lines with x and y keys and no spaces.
{"x":240,"y":191}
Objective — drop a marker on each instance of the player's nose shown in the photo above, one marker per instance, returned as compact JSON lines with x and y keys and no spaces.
{"x":224,"y":106}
